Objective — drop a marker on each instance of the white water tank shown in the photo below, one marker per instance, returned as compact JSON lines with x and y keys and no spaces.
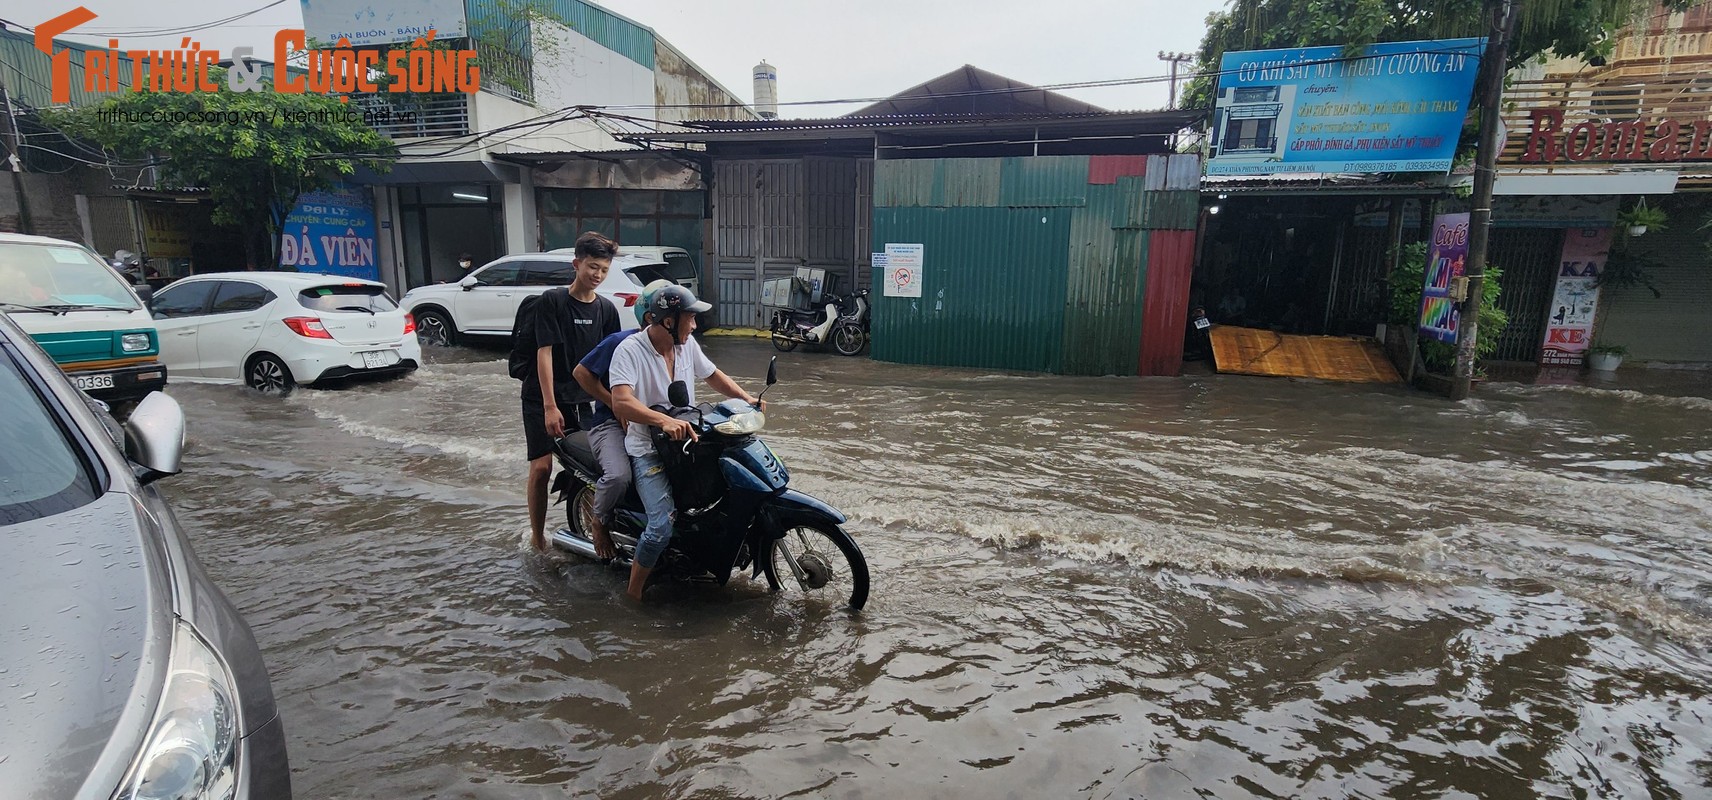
{"x":766,"y":90}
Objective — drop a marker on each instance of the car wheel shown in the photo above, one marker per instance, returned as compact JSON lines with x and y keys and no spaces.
{"x":434,"y":327}
{"x":267,"y":374}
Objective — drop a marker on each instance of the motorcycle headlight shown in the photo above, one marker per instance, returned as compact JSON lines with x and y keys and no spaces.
{"x":191,"y":749}
{"x":742,"y":424}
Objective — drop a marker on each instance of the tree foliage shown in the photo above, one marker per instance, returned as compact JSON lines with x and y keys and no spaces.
{"x":253,"y":151}
{"x":1569,"y":28}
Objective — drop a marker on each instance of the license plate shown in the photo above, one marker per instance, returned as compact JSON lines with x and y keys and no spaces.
{"x":93,"y":381}
{"x":375,"y":359}
{"x":1203,"y":323}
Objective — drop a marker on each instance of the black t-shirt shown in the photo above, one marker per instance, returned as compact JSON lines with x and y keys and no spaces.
{"x":573,"y":328}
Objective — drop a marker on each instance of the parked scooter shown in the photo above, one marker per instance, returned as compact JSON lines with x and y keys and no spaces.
{"x":736,"y":510}
{"x":841,"y":323}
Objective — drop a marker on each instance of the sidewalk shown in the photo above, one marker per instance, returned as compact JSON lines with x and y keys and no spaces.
{"x":744,"y":333}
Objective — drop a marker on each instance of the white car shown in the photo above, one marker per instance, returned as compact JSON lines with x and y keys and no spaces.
{"x":274,"y":330}
{"x":485,"y":302}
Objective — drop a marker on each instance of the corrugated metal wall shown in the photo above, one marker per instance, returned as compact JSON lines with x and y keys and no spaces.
{"x":774,"y":215}
{"x":1040,"y":263}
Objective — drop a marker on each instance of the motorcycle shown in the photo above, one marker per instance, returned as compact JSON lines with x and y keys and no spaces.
{"x":842,"y":324}
{"x":736,"y":510}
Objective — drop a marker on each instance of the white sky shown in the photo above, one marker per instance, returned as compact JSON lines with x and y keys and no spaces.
{"x":823,"y":49}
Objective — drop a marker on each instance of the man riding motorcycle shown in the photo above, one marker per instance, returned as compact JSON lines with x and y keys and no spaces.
{"x":643,"y":367}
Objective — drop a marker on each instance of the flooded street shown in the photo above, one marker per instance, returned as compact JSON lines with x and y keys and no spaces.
{"x":1201,"y":587}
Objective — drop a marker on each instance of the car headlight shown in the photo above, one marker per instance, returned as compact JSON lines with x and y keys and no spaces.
{"x":742,"y":424}
{"x":134,"y":342}
{"x":191,"y":749}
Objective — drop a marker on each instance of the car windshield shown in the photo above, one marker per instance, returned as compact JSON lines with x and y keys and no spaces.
{"x":40,"y":474}
{"x":352,"y":297}
{"x":59,"y":276}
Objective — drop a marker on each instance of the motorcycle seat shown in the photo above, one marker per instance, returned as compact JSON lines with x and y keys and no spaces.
{"x":574,"y":447}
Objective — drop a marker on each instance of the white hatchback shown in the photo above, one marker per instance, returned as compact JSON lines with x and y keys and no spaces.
{"x":274,"y":330}
{"x":485,"y":302}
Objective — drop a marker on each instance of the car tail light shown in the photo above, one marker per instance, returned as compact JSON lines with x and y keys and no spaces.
{"x":409,"y":322}
{"x":628,"y":298}
{"x":307,"y":327}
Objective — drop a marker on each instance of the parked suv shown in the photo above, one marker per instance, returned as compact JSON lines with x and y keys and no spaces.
{"x":128,"y":673}
{"x":485,"y":302}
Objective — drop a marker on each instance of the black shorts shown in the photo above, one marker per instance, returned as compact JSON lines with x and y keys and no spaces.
{"x":537,"y":441}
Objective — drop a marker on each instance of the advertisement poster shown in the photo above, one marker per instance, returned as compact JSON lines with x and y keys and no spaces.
{"x":1569,"y":320}
{"x":331,"y":232}
{"x":1399,"y":107}
{"x":903,"y":270}
{"x":382,"y":21}
{"x":167,"y":230}
{"x":1446,"y":257}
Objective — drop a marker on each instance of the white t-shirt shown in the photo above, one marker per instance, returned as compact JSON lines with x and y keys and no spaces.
{"x":638,"y":365}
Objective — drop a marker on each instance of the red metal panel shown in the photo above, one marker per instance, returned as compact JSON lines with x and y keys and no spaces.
{"x":1107,"y":169}
{"x":1165,"y":306}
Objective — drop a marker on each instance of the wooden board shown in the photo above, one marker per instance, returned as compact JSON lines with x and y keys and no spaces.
{"x":1249,"y":351}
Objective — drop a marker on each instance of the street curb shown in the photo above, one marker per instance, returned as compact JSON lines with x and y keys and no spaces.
{"x":745,"y":333}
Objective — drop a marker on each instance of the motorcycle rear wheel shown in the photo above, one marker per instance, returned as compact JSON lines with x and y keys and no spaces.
{"x":831,"y":559}
{"x":848,"y":340}
{"x":783,"y":343}
{"x":579,"y":513}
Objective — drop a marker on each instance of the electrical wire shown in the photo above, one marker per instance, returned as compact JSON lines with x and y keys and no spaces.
{"x":167,"y":31}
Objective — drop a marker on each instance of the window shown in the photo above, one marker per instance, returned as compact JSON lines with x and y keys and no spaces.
{"x":59,"y":276}
{"x":183,"y":300}
{"x":41,"y":474}
{"x":549,"y":273}
{"x":236,"y":296}
{"x":346,"y":297}
{"x":499,"y":274}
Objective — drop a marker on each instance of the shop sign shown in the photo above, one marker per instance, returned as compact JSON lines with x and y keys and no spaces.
{"x":331,"y":232}
{"x":167,"y":229}
{"x":1646,"y":139}
{"x":1397,"y":107}
{"x":1569,"y":321}
{"x":1446,"y":257}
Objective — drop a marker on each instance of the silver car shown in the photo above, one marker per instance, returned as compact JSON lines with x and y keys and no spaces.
{"x":124,"y":672}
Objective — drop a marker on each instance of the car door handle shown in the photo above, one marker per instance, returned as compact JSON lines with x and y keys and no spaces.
{"x":252,"y":327}
{"x":187,"y":332}
{"x":503,"y":294}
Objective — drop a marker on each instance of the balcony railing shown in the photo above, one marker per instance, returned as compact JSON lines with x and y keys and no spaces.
{"x":441,"y":115}
{"x":1672,"y":45}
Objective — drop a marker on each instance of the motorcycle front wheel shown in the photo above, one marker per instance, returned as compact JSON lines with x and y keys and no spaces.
{"x":832,"y":565}
{"x":848,"y":340}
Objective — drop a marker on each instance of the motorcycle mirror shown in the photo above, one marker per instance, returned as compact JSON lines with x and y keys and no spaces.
{"x":773,"y":371}
{"x":679,"y":394}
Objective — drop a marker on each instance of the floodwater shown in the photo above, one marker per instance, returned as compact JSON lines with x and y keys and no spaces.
{"x":1210,"y":586}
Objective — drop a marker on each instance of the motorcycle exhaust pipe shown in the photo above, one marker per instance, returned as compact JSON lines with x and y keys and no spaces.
{"x":565,"y":540}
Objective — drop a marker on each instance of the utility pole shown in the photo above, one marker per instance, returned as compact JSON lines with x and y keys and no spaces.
{"x":1174,"y":59}
{"x":1501,"y":16}
{"x":15,"y":161}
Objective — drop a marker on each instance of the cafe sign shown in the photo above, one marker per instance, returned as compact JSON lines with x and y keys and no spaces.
{"x":1551,"y":140}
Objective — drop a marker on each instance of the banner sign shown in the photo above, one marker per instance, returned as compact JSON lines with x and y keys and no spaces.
{"x":1446,"y":257}
{"x":382,"y":21}
{"x":903,"y":270}
{"x":1569,"y":321}
{"x":331,"y":232}
{"x":1397,"y":107}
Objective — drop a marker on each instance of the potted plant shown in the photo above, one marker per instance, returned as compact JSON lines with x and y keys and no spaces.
{"x":1605,"y":357}
{"x":1641,"y":218}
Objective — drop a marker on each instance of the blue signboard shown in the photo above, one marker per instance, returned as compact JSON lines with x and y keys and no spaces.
{"x":331,"y":232}
{"x":1397,"y":107}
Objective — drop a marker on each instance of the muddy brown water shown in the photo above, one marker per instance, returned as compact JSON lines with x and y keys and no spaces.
{"x":1199,"y":587}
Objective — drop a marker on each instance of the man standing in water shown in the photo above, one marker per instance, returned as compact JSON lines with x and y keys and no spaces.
{"x":642,"y":369}
{"x":568,"y":323}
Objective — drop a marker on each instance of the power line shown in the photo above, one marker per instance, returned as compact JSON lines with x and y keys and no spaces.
{"x":167,"y":31}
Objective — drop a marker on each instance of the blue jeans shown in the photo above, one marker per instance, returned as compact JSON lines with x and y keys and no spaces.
{"x":656,"y":492}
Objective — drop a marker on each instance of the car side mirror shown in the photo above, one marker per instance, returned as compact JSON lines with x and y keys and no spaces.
{"x":154,"y":438}
{"x":678,"y":394}
{"x":469,"y":282}
{"x":773,"y":371}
